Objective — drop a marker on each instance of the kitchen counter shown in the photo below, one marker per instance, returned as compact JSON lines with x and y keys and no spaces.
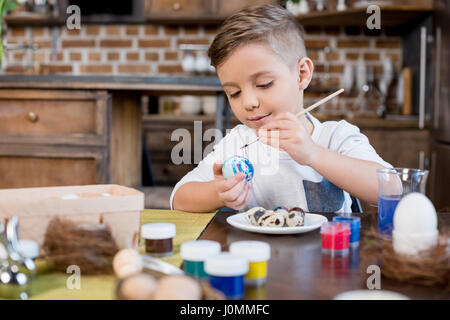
{"x":174,"y":84}
{"x":155,"y":85}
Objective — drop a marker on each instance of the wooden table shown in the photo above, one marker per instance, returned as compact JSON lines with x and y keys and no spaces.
{"x":298,"y":270}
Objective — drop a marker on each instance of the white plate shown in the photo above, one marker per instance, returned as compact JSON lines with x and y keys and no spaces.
{"x":312,"y":222}
{"x":370,"y":295}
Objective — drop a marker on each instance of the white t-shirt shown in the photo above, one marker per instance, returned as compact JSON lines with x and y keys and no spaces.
{"x":279,"y":180}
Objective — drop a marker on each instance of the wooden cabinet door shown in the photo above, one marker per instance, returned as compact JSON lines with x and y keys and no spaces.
{"x":178,"y":8}
{"x":228,"y":7}
{"x":405,"y":148}
{"x":53,"y":137}
{"x":25,"y":166}
{"x":54,"y":117}
{"x":158,"y":141}
{"x":440,"y":177}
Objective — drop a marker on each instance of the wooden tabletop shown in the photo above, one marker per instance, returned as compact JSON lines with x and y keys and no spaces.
{"x":297,"y":268}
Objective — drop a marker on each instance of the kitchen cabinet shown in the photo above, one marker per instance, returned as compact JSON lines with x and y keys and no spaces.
{"x":195,"y":11}
{"x":397,"y":14}
{"x":401,"y":147}
{"x":158,"y":131}
{"x":228,"y":7}
{"x":178,"y":8}
{"x":70,"y":130}
{"x":53,"y":138}
{"x":405,"y":148}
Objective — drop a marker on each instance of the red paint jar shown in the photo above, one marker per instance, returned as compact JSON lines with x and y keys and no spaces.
{"x":335,"y":238}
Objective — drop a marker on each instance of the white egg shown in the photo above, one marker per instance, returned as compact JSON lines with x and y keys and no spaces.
{"x":415,"y":214}
{"x":415,"y":225}
{"x":127,"y":262}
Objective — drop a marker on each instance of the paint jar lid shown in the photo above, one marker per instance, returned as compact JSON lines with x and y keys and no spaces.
{"x":355,"y":222}
{"x":199,"y":250}
{"x":159,"y":230}
{"x":253,"y":251}
{"x":29,"y":248}
{"x":226,"y":265}
{"x":335,"y":227}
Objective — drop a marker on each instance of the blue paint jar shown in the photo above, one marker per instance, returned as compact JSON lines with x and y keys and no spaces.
{"x":355,"y":226}
{"x":194,"y":254}
{"x":226,"y":274}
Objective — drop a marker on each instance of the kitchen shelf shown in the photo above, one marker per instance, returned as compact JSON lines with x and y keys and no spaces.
{"x":179,"y":117}
{"x":391,"y":16}
{"x":32,"y":19}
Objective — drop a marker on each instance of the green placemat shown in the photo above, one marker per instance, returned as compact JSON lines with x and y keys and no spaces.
{"x":53,"y":286}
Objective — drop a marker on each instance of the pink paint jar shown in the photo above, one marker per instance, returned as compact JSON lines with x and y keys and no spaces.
{"x":335,"y":238}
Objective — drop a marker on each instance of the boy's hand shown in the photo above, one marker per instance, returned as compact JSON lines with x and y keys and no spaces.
{"x":233,"y":192}
{"x":286,"y":132}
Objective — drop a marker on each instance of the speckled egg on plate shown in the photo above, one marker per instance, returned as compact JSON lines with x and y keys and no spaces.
{"x":295,"y":217}
{"x":236,"y":164}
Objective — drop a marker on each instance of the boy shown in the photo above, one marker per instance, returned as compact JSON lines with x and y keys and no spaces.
{"x":261,"y":61}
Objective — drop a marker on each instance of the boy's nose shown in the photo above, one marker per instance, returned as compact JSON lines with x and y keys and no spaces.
{"x":250,"y":102}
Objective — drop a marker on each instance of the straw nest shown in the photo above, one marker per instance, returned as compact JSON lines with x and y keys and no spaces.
{"x":429,"y":268}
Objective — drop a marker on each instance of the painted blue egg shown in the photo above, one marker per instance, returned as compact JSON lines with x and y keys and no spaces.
{"x":280,"y":207}
{"x":236,"y":164}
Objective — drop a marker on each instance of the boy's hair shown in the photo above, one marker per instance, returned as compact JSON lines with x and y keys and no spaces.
{"x":269,"y":24}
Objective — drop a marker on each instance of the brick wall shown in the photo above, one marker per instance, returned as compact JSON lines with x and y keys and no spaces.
{"x":149,"y":50}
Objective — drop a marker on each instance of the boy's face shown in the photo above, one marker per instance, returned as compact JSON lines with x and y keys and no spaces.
{"x":259,"y":85}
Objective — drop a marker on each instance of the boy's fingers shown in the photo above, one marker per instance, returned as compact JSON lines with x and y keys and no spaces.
{"x":281,"y":124}
{"x":217,"y":169}
{"x":275,"y":134}
{"x":247,"y":197}
{"x":230,"y":183}
{"x":232,"y":194}
{"x":241,"y":200}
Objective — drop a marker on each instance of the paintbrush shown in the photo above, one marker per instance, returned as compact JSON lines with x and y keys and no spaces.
{"x":315,"y":105}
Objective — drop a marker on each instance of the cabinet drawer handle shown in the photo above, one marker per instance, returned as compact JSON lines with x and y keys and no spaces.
{"x":32,"y":117}
{"x":176,"y":6}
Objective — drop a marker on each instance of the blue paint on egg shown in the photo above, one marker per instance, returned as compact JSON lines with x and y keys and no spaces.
{"x":237,"y":164}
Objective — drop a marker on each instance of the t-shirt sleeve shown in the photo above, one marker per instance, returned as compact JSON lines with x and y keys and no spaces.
{"x":204,"y":170}
{"x":348,"y":140}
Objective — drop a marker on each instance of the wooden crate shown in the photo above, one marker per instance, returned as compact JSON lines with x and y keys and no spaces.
{"x":118,"y":207}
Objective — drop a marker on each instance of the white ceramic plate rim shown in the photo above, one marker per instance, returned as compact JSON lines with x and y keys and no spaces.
{"x":370,"y":295}
{"x":312,"y":222}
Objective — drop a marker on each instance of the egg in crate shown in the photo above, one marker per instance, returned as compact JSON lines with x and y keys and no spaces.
{"x":236,"y":164}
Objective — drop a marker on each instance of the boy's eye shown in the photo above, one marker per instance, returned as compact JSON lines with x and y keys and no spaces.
{"x":235,"y":94}
{"x":266,"y":85}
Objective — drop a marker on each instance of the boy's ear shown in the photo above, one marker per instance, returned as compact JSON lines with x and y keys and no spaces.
{"x":305,"y":68}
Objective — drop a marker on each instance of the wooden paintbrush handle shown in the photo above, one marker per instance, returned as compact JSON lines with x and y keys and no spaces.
{"x":318,"y":103}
